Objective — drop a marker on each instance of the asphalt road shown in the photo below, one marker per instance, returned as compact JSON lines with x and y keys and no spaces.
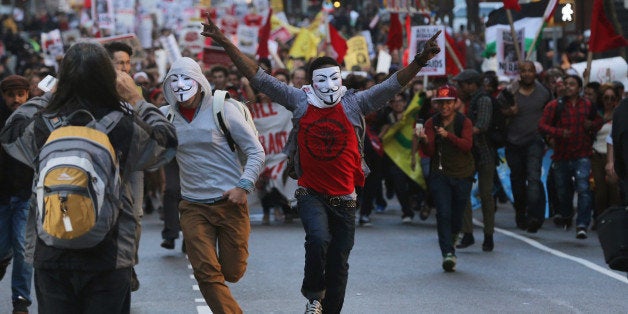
{"x":396,"y":268}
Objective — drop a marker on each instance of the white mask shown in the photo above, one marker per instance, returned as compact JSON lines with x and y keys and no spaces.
{"x":327,"y":85}
{"x":183,"y":86}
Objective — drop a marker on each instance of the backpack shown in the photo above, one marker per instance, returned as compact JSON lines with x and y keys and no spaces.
{"x":496,"y":132}
{"x":218,"y":105}
{"x":78,"y":183}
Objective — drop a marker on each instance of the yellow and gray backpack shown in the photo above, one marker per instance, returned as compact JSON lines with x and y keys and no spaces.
{"x":78,"y":182}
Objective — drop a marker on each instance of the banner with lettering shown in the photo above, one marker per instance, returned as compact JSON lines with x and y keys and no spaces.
{"x":52,"y":47}
{"x":357,"y":54}
{"x":274,"y":122}
{"x":507,"y":52}
{"x":420,"y":35}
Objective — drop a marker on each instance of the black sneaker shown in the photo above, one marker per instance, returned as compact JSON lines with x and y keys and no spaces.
{"x":3,"y":267}
{"x":20,"y":306}
{"x":488,"y":244}
{"x":168,"y":244}
{"x":467,"y":241}
{"x":425,"y":212}
{"x":581,"y":233}
{"x":520,"y":220}
{"x":534,"y":225}
{"x":365,"y":221}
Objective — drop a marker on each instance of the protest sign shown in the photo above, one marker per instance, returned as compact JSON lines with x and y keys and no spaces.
{"x":419,"y":36}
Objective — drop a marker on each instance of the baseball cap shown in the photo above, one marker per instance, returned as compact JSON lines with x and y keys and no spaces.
{"x":445,"y":92}
{"x":12,"y":82}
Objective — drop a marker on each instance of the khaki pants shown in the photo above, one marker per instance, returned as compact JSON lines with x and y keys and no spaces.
{"x":228,"y":226}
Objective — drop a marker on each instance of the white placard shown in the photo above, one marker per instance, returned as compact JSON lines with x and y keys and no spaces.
{"x":420,"y":35}
{"x":384,"y":59}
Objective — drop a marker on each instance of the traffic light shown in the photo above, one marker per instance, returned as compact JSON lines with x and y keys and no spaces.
{"x":565,"y":12}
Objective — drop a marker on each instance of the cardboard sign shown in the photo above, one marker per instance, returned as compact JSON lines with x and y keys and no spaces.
{"x":420,"y":35}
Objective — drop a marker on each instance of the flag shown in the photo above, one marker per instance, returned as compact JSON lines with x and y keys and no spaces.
{"x":531,"y":18}
{"x":603,"y":34}
{"x":305,"y":45}
{"x":338,"y":43}
{"x":264,"y":35}
{"x":395,"y":33}
{"x":512,"y":5}
{"x":398,"y":141}
{"x":408,"y":28}
{"x":450,"y":64}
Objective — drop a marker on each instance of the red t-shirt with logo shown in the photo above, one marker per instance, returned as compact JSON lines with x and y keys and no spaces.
{"x":328,"y":152}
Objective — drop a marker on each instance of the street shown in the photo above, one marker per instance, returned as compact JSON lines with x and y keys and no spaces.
{"x":395,"y":268}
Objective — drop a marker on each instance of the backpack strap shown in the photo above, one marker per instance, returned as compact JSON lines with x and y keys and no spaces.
{"x":218,"y":106}
{"x":109,"y":121}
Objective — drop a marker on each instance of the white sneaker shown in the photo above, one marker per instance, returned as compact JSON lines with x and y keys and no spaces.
{"x":314,"y":307}
{"x":406,"y":220}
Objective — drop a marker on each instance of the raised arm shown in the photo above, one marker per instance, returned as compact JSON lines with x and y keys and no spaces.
{"x":430,"y":50}
{"x":246,"y":65}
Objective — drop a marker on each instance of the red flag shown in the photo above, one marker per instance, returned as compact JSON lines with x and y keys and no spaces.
{"x":450,"y":65}
{"x":395,"y":34}
{"x":264,"y":34}
{"x":338,"y":43}
{"x":603,"y":34}
{"x":512,"y":5}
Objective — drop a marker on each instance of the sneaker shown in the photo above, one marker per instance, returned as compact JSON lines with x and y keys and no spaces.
{"x":20,"y":306}
{"x":380,"y":208}
{"x":466,"y":241}
{"x":425,"y":212}
{"x":266,"y":220}
{"x":3,"y":267}
{"x":520,"y":220}
{"x":488,"y":244}
{"x":406,"y":220}
{"x":314,"y":307}
{"x":449,"y":262}
{"x":581,"y":233}
{"x":168,"y":244}
{"x":533,"y":225}
{"x":365,"y":221}
{"x":135,"y":283}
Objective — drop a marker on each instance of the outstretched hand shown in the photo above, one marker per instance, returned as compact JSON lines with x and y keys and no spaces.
{"x":211,"y":30}
{"x":430,"y":50}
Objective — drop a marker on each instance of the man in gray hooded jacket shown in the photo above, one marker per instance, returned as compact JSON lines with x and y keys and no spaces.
{"x":214,"y":183}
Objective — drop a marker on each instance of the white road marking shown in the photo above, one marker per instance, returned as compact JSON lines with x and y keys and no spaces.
{"x":203,"y":309}
{"x":199,"y":300}
{"x":581,"y":261}
{"x":195,"y":288}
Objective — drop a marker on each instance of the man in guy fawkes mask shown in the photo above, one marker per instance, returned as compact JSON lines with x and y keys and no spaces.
{"x":328,"y":161}
{"x":213,"y":185}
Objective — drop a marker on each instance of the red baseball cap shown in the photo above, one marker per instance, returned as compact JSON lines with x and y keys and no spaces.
{"x":445,"y":92}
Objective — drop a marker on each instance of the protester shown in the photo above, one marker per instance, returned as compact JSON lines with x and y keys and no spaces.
{"x":523,"y":103}
{"x":479,"y":108}
{"x":15,"y":190}
{"x":120,"y":54}
{"x":447,"y":138}
{"x":95,"y":279}
{"x":571,"y":127}
{"x":328,"y":162}
{"x":214,"y":184}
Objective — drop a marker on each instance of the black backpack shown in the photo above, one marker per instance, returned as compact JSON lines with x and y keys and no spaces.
{"x":496,"y":133}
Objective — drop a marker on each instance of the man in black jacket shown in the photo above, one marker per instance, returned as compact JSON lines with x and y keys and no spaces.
{"x":15,"y":190}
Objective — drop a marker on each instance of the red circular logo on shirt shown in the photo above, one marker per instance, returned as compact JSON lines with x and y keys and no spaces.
{"x":326,"y":139}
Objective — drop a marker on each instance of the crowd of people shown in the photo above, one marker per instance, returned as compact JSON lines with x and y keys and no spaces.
{"x":339,"y":154}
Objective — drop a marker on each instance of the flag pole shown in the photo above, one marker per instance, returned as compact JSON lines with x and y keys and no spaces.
{"x":451,"y":51}
{"x":514,"y":35}
{"x":587,"y":70}
{"x":536,"y":37}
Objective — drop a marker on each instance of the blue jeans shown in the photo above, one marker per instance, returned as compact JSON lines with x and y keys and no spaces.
{"x":525,"y":162}
{"x":13,"y":218}
{"x":570,"y":175}
{"x":450,"y":196}
{"x":329,"y":238}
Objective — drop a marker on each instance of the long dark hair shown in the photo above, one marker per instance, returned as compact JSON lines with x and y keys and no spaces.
{"x":87,"y":80}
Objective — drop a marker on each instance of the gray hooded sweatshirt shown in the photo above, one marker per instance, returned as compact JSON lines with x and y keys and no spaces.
{"x":207,"y":166}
